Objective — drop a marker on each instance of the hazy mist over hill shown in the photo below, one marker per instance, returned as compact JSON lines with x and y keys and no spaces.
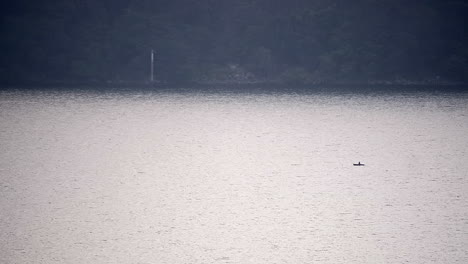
{"x":296,"y":40}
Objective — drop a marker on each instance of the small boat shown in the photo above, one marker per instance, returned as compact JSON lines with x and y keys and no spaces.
{"x":358,"y":164}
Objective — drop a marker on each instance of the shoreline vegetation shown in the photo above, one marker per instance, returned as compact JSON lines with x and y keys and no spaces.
{"x":234,"y":76}
{"x":242,"y":85}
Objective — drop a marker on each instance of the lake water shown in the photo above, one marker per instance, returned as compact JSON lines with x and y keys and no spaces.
{"x":161,"y":177}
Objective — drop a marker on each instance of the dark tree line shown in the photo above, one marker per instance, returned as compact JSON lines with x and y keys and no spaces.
{"x":303,"y":40}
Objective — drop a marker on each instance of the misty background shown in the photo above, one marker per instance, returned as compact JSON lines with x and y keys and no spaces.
{"x":246,"y":40}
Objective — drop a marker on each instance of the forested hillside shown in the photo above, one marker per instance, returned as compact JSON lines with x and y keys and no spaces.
{"x":203,"y":40}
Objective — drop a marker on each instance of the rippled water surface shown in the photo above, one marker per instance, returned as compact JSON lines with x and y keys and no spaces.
{"x":233,"y":178}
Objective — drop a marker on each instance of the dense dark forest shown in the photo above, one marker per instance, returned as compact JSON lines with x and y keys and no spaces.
{"x":243,"y":40}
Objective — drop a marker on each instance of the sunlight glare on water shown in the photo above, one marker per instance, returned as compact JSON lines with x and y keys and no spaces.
{"x":233,"y":178}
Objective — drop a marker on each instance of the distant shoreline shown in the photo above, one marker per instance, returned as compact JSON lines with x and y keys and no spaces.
{"x":267,"y":85}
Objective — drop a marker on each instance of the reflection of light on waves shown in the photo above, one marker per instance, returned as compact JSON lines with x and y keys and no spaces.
{"x":261,"y":179}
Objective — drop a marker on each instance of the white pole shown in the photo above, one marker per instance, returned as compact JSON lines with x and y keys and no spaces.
{"x":152,"y":65}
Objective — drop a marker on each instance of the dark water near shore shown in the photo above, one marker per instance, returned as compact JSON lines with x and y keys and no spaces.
{"x":199,"y":177}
